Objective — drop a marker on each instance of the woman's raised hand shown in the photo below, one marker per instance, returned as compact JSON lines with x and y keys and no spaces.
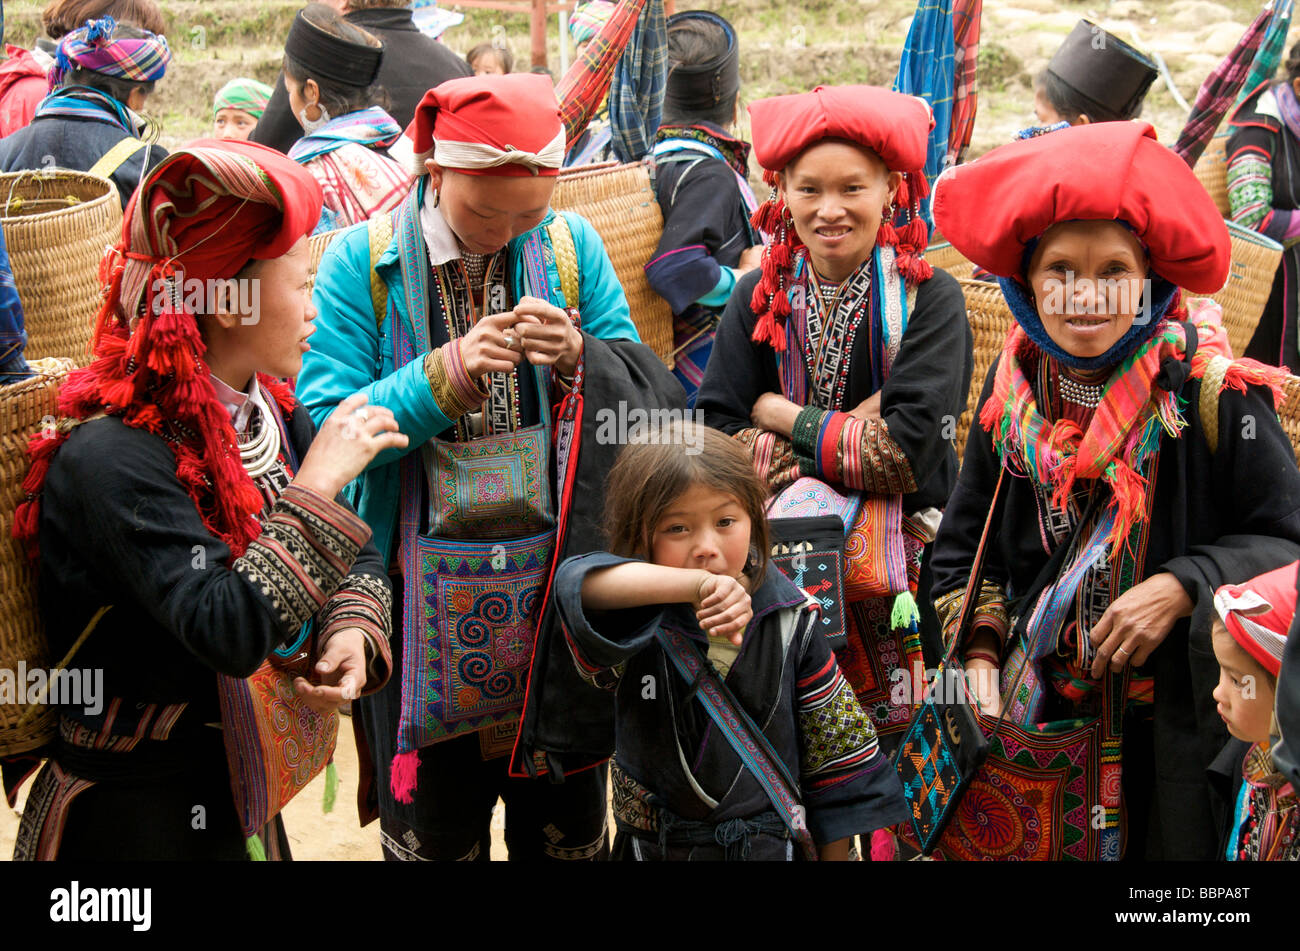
{"x":547,"y":335}
{"x":722,"y":607}
{"x":352,"y":436}
{"x":491,"y":345}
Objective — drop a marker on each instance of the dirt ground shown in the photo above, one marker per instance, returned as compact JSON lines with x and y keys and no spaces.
{"x":313,"y":834}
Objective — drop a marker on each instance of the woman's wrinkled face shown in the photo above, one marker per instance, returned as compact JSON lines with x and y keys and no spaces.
{"x":837,"y":193}
{"x":1088,"y":280}
{"x":486,"y":211}
{"x":233,"y":123}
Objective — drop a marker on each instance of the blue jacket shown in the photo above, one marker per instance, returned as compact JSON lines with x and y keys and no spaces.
{"x":351,"y":352}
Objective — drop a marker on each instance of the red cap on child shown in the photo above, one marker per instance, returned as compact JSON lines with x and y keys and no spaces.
{"x":1258,"y":614}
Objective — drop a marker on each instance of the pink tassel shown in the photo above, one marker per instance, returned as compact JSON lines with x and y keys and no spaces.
{"x":883,"y":846}
{"x":402,"y":781}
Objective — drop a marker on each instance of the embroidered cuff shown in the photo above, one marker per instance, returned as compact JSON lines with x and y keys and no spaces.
{"x":990,"y":611}
{"x":366,"y":603}
{"x":307,"y":546}
{"x":454,"y":390}
{"x":869,"y":458}
{"x":807,"y":425}
{"x":774,"y":458}
{"x":1250,"y":188}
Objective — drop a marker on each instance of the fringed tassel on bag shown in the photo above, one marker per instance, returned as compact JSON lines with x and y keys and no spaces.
{"x":331,"y":787}
{"x":905,"y":613}
{"x":402,"y":781}
{"x":883,"y":846}
{"x":256,"y":851}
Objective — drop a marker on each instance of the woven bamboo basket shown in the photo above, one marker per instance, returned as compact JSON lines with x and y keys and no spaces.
{"x":57,"y":225}
{"x":317,"y":244}
{"x":1250,"y":281}
{"x":947,"y":258}
{"x":1212,"y":170}
{"x":620,"y":203}
{"x":24,"y":406}
{"x":1289,"y":413}
{"x":990,"y":319}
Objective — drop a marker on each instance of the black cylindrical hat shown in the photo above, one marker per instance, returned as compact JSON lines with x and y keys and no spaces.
{"x":332,"y":57}
{"x":702,"y":86}
{"x":1103,"y":69}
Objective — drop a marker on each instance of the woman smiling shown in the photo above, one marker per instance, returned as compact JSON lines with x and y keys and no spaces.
{"x":1144,"y":468}
{"x":845,"y":360}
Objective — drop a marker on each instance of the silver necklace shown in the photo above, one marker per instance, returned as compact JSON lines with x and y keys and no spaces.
{"x":1087,"y":395}
{"x":259,"y":452}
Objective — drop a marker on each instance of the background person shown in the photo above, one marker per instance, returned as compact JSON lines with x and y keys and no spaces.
{"x":102,"y":76}
{"x":237,"y":106}
{"x":700,"y":179}
{"x":341,"y":109}
{"x":413,"y":63}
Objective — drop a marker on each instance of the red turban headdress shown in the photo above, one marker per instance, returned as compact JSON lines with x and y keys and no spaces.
{"x":1258,"y":614}
{"x":894,"y":126}
{"x":202,"y":213}
{"x":491,"y":125}
{"x":992,"y":208}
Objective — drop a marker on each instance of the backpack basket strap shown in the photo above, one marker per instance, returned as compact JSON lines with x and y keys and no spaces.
{"x":566,"y":259}
{"x":116,"y":157}
{"x":1211,"y":384}
{"x":379,"y":230}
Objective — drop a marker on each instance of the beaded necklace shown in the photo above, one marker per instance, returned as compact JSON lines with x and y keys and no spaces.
{"x":454,"y":288}
{"x":832,"y":330}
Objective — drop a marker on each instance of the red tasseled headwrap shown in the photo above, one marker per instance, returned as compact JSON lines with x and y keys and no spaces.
{"x":892,"y":125}
{"x":203,"y":213}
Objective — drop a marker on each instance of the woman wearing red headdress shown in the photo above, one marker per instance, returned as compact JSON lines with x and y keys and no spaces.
{"x":183,"y":492}
{"x":845,"y":360}
{"x":1143,"y":469}
{"x":500,"y":338}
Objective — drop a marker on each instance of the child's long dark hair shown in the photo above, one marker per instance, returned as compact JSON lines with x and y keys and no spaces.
{"x":650,"y":475}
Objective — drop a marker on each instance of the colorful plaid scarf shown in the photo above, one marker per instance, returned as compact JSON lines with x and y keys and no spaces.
{"x":583,"y":89}
{"x":374,"y":128}
{"x":636,"y":97}
{"x":82,"y":102}
{"x":1126,"y":426}
{"x":93,"y":47}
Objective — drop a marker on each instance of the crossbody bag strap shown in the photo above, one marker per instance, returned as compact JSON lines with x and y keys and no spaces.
{"x":976,"y":579}
{"x":1047,"y":575}
{"x":749,"y":742}
{"x":379,"y":229}
{"x":566,"y":259}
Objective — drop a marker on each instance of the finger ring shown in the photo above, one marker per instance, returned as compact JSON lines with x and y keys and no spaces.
{"x":510,"y":341}
{"x":361,"y":413}
{"x":1120,"y":650}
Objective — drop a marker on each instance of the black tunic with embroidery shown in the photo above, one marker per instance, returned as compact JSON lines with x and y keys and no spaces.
{"x":920,"y":401}
{"x":1216,"y":518}
{"x":118,"y":528}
